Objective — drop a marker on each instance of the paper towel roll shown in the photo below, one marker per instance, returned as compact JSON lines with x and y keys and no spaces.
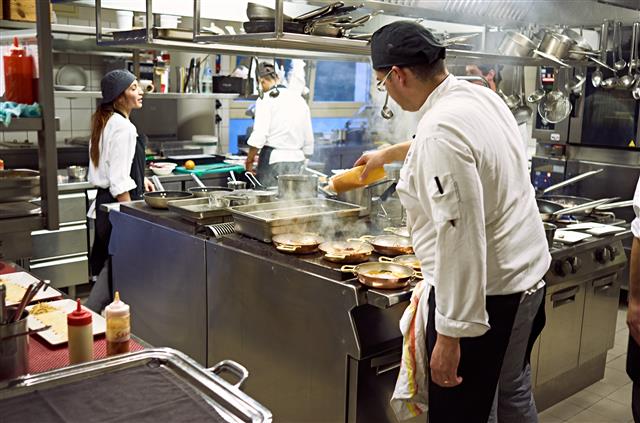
{"x":147,"y":86}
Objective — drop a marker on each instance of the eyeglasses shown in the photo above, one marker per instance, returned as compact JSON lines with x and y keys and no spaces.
{"x":380,"y":85}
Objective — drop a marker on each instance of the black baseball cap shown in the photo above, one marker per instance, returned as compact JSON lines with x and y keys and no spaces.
{"x":404,"y":43}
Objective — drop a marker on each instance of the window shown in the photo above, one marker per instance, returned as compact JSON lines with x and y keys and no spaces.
{"x":342,"y":81}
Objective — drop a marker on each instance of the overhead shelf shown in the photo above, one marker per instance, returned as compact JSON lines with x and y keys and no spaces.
{"x":191,"y":96}
{"x":24,"y":124}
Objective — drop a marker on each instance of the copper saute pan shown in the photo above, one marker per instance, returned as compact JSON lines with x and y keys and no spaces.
{"x":346,"y":251}
{"x":303,"y":243}
{"x":382,"y":275}
{"x":389,"y":245}
{"x":160,"y":199}
{"x":409,"y":260}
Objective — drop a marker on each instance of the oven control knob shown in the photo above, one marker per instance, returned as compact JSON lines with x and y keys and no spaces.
{"x":614,"y":253}
{"x":604,"y":254}
{"x":562,"y":267}
{"x":575,"y":263}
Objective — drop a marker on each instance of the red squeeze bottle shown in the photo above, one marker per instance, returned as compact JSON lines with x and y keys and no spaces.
{"x":18,"y":75}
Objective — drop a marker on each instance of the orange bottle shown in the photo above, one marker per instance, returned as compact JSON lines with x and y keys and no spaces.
{"x":351,"y":179}
{"x":18,"y":75}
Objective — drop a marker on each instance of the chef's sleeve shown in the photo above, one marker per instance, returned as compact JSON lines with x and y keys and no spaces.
{"x":119,"y":160}
{"x":307,"y":147}
{"x":261,"y":125}
{"x":450,"y":183}
{"x":635,"y":223}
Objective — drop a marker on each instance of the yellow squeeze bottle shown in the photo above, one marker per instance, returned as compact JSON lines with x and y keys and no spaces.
{"x":350,"y":179}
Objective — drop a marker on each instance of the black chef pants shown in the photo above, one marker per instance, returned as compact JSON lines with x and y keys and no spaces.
{"x":480,"y":363}
{"x":633,"y":370}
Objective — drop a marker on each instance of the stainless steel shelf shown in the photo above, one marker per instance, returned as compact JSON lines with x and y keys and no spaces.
{"x":184,"y":96}
{"x":26,"y":124}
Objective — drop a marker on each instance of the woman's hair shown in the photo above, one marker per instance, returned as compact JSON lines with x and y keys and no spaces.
{"x":98,"y":122}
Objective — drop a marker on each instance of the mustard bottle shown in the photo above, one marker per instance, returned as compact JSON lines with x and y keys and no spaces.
{"x":118,"y":326}
{"x":350,"y":179}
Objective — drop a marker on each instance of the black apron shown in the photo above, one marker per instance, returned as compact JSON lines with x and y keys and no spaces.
{"x":100,"y":248}
{"x":633,"y":360}
{"x":480,"y":364}
{"x":263,"y":171}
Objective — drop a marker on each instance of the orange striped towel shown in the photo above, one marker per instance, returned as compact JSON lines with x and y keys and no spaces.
{"x":410,"y":396}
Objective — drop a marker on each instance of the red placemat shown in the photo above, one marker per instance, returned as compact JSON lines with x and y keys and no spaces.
{"x":7,"y":267}
{"x":44,"y":357}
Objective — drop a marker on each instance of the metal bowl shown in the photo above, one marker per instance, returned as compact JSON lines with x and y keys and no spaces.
{"x":77,"y":172}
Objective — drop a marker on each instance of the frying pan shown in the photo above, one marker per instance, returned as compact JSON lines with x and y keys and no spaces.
{"x":389,"y":245}
{"x":269,"y":25}
{"x":346,"y":251}
{"x":302,"y":243}
{"x":409,"y":260}
{"x":550,"y":211}
{"x":257,"y":12}
{"x":202,"y":190}
{"x":382,"y":275}
{"x":160,"y":199}
{"x":401,"y":231}
{"x":318,"y":13}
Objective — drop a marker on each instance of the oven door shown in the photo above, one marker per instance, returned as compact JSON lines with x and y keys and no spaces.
{"x":604,"y":118}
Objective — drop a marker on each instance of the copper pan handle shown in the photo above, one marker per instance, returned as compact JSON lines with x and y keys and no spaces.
{"x":336,"y":256}
{"x":418,"y":274}
{"x":384,"y":259}
{"x":287,"y":248}
{"x":348,"y":268}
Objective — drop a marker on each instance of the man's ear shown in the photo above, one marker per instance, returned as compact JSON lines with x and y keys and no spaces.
{"x":491,"y":75}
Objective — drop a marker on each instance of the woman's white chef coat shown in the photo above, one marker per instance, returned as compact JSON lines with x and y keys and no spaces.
{"x":117,"y":148}
{"x":635,"y":223}
{"x":470,"y":206}
{"x":283,"y":123}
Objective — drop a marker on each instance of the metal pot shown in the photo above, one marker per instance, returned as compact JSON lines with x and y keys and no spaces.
{"x":346,"y":251}
{"x":389,"y":245}
{"x":556,"y":45}
{"x":160,"y":199}
{"x":382,"y":275}
{"x":516,"y":44}
{"x":304,"y":243}
{"x":77,"y":172}
{"x":294,"y":187}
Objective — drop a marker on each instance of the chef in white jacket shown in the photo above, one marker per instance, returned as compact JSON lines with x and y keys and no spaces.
{"x":475,"y":227}
{"x":282,"y":131}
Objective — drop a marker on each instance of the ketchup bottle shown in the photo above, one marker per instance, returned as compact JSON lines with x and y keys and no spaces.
{"x":18,"y":75}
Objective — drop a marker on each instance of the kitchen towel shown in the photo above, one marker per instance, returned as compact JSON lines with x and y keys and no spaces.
{"x":410,"y":396}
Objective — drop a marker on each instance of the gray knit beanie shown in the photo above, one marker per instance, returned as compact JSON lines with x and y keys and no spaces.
{"x":114,"y":83}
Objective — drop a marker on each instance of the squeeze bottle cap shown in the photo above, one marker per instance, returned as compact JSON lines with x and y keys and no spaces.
{"x":79,"y":316}
{"x":117,"y":307}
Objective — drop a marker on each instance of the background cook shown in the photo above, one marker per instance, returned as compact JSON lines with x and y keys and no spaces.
{"x":282,"y":129}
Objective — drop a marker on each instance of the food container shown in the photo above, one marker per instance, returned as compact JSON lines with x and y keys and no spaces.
{"x":162,"y":168}
{"x":549,"y":232}
{"x":516,"y":44}
{"x":19,"y":185}
{"x":382,"y":275}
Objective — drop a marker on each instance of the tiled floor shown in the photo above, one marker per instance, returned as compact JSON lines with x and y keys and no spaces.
{"x":606,"y":401}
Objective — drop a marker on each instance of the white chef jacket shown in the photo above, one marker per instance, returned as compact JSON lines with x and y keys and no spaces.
{"x":482,"y":235}
{"x":283,"y":123}
{"x":635,"y":223}
{"x":117,"y":148}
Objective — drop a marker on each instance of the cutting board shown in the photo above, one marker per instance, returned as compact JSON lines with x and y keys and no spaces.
{"x":200,"y":170}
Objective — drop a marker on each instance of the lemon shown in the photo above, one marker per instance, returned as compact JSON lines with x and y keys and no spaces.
{"x":189,"y":164}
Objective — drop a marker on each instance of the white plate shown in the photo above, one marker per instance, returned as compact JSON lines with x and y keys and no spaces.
{"x":99,"y":325}
{"x":24,"y":279}
{"x":605,"y":230}
{"x":570,"y":237}
{"x":71,"y":75}
{"x":69,"y":87}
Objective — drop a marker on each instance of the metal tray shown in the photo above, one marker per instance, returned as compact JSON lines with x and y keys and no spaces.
{"x":19,"y":185}
{"x":262,"y":221}
{"x":226,"y":400}
{"x":197,"y":210}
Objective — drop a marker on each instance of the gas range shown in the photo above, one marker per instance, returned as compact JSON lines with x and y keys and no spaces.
{"x":587,"y":259}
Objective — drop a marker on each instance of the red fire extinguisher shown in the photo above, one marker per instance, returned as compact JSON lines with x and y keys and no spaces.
{"x":18,"y":75}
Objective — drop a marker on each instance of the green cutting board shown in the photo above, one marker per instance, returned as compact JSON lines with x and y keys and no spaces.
{"x":207,"y":169}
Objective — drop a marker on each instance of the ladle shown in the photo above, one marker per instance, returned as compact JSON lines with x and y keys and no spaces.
{"x":596,"y":77}
{"x":537,"y":95}
{"x":627,"y":80}
{"x":574,"y":85}
{"x":386,"y":111}
{"x":620,"y":63}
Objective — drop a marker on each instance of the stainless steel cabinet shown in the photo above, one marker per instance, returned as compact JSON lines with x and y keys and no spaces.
{"x":63,"y":273}
{"x":600,"y":314}
{"x":560,"y":339}
{"x":66,"y":241}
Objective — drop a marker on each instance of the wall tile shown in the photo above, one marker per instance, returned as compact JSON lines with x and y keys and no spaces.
{"x":80,"y":119}
{"x":61,"y":135}
{"x":33,"y":137}
{"x":80,"y":59}
{"x":82,"y":103}
{"x":61,"y":103}
{"x":65,"y":119}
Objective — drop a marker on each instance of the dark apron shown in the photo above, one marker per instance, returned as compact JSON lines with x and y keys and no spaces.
{"x":264,"y":171}
{"x":480,"y":364}
{"x":633,"y":360}
{"x":100,"y":248}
